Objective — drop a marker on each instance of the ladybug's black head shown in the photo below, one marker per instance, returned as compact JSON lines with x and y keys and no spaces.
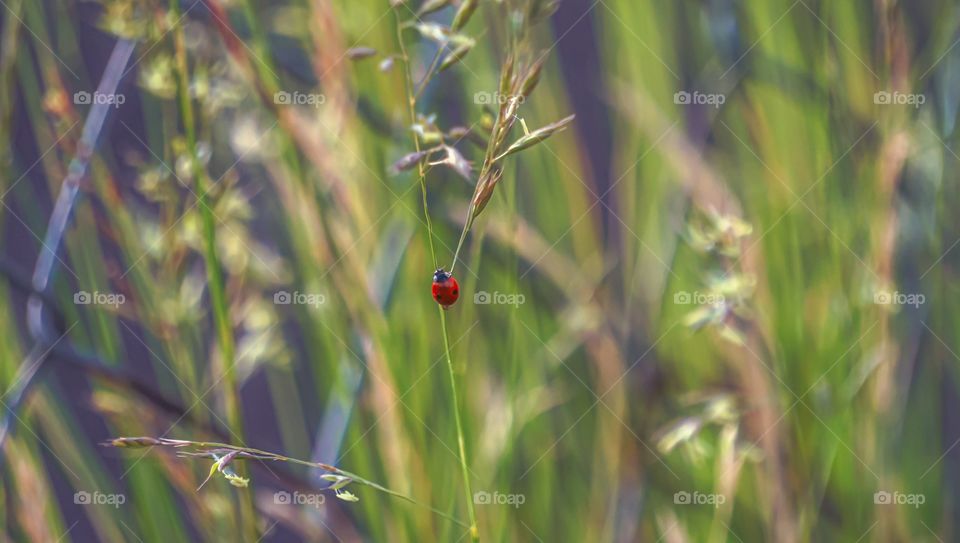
{"x":440,"y":276}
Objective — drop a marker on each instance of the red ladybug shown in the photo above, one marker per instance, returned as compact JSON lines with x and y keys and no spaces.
{"x":445,"y":289}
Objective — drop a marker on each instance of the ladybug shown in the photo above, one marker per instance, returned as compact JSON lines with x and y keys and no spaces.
{"x":445,"y":289}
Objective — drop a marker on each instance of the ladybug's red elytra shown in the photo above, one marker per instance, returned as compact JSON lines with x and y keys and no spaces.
{"x":445,"y":289}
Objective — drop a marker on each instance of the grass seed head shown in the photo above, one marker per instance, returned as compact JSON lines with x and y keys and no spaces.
{"x":540,"y":10}
{"x":532,"y":76}
{"x":464,"y":13}
{"x":485,"y":190}
{"x":506,"y":76}
{"x":456,"y":55}
{"x":537,"y":136}
{"x":457,"y":163}
{"x":359,"y":53}
{"x":431,"y":6}
{"x":409,"y":161}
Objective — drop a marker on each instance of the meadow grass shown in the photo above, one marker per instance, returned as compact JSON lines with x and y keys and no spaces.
{"x":717,"y":305}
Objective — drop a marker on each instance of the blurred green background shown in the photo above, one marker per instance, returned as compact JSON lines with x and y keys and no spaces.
{"x":720,"y":306}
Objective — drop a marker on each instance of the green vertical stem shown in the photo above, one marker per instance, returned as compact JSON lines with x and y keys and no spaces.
{"x":8,"y":58}
{"x":411,"y":105}
{"x":474,"y":531}
{"x":218,"y":297}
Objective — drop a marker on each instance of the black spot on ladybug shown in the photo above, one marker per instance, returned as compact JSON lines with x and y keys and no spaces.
{"x":455,"y":292}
